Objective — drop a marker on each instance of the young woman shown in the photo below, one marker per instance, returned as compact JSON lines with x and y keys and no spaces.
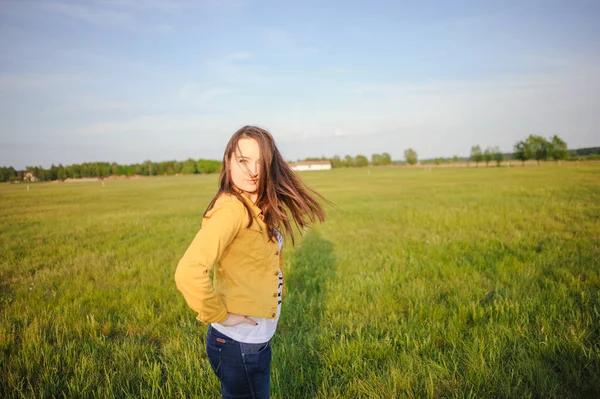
{"x":258,"y":197}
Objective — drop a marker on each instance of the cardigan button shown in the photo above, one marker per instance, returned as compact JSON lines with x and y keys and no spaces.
{"x":275,"y":295}
{"x":276,"y":273}
{"x":274,"y":314}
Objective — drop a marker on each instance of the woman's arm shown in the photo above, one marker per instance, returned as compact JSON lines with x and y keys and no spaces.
{"x":219,"y":228}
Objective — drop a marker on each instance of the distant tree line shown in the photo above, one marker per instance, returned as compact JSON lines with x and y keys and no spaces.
{"x":105,"y":169}
{"x":357,"y":161}
{"x":539,"y":148}
{"x":488,"y":155}
{"x":534,"y":147}
{"x":592,"y":153}
{"x":444,"y":160}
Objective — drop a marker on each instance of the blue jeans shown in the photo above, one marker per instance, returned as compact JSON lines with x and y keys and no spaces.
{"x":243,"y":369}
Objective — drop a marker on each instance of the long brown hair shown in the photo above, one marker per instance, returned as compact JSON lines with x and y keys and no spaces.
{"x":280,"y":190}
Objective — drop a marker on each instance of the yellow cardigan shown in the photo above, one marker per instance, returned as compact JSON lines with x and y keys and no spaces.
{"x":246,"y":279}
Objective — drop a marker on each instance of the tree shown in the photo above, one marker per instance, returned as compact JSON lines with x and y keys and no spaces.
{"x":522,"y":152}
{"x":538,"y":146}
{"x":336,"y":162}
{"x":411,"y":156}
{"x":121,"y":170}
{"x":45,"y":175}
{"x":381,"y":159}
{"x":476,"y":155}
{"x":558,"y":149}
{"x":155,"y":169}
{"x":208,"y":166}
{"x":487,"y":156}
{"x":102,"y":170}
{"x":131,"y":170}
{"x":386,"y":159}
{"x":361,"y":161}
{"x":76,"y":171}
{"x":53,"y":172}
{"x":178,"y":166}
{"x":189,"y":167}
{"x":145,"y":169}
{"x":7,"y":174}
{"x":61,"y":173}
{"x":348,"y":161}
{"x":497,"y":155}
{"x":375,"y":159}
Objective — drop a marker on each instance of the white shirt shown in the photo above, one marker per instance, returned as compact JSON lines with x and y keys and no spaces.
{"x":265,"y":329}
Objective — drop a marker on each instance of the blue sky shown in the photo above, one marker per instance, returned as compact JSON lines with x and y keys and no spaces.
{"x":131,"y":80}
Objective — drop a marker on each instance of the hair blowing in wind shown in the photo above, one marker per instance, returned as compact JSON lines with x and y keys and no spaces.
{"x":281,"y":192}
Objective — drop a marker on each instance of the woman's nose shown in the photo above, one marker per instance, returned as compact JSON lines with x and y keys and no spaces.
{"x":253,"y":169}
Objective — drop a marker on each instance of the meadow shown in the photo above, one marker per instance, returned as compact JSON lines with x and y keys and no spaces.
{"x":448,"y":283}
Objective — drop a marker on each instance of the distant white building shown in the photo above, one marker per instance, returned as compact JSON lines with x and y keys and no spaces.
{"x":29,"y":177}
{"x":311,"y":165}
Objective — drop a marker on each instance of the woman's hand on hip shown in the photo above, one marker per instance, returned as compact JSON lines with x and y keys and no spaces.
{"x":234,"y":319}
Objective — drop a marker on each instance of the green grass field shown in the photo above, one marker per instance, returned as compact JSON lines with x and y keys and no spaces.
{"x":453,"y":283}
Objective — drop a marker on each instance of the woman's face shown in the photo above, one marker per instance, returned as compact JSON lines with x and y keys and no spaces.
{"x":244,"y":166}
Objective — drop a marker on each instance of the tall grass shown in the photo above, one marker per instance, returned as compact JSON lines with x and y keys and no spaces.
{"x":481,"y":282}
